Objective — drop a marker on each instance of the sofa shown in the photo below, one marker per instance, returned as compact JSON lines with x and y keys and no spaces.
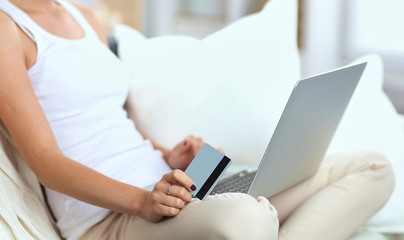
{"x":229,"y":88}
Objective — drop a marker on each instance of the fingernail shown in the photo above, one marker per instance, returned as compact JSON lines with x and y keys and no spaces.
{"x":185,"y":142}
{"x":193,"y":188}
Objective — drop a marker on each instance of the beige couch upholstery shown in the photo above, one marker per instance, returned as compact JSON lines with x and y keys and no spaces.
{"x":23,"y":211}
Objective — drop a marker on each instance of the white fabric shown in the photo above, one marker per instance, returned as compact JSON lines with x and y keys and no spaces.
{"x":232,"y":84}
{"x":402,"y":120}
{"x":23,"y":214}
{"x":82,"y":88}
{"x":231,"y":87}
{"x":371,"y":122}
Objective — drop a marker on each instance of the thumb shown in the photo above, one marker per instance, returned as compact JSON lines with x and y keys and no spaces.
{"x":186,"y":146}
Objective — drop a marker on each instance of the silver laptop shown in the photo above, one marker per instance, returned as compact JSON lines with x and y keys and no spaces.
{"x":301,"y":138}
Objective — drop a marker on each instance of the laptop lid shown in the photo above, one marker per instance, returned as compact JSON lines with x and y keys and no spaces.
{"x":305,"y":129}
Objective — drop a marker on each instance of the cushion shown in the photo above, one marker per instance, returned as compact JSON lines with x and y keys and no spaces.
{"x":23,"y":215}
{"x":230,"y":87}
{"x":371,"y":122}
{"x":23,"y":211}
{"x":402,"y":120}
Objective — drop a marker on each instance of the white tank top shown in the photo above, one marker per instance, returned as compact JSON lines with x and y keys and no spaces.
{"x":82,"y":87}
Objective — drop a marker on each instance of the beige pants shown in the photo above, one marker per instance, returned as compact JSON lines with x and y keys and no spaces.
{"x":347,"y":190}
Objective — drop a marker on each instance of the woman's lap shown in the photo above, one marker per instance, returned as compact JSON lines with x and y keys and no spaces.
{"x":345,"y":192}
{"x":224,"y":216}
{"x":347,"y":189}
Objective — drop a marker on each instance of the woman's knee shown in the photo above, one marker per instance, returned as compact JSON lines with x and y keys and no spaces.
{"x":372,"y":167}
{"x":240,"y":216}
{"x":363,"y":161}
{"x":376,"y":165}
{"x":382,"y":171}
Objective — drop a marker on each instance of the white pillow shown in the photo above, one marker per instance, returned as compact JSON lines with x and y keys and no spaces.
{"x":371,"y":122}
{"x":229,"y":88}
{"x":402,"y":120}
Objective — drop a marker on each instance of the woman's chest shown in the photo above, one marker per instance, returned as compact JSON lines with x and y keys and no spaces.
{"x":75,"y":78}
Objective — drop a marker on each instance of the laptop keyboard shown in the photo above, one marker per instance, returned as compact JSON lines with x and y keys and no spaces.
{"x":239,"y":182}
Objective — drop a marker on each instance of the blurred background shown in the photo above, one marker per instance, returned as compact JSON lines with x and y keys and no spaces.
{"x":331,"y":33}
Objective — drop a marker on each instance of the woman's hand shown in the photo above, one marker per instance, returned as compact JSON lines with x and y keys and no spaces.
{"x":168,"y":197}
{"x":183,"y":153}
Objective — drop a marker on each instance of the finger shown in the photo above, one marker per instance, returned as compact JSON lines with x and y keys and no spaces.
{"x":220,"y":150}
{"x":179,"y":177}
{"x":162,"y":186}
{"x":164,"y":210}
{"x":174,"y":190}
{"x":199,"y":139}
{"x":181,"y":193}
{"x":160,"y":195}
{"x":197,"y":145}
{"x":171,"y":201}
{"x":188,"y":139}
{"x":187,"y":144}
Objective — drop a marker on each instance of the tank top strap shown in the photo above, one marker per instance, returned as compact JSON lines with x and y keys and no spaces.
{"x":79,"y":18}
{"x":23,"y":21}
{"x":41,"y":37}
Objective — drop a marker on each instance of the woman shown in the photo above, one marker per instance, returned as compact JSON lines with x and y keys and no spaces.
{"x":62,"y":94}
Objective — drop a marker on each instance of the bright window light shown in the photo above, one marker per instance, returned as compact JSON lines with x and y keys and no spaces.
{"x":376,"y":26}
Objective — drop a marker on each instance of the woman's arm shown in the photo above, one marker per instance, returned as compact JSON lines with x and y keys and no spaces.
{"x":21,"y":113}
{"x":25,"y":120}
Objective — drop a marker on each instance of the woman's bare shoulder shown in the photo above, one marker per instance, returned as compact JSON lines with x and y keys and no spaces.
{"x":93,"y":19}
{"x":7,"y":27}
{"x":10,"y":38}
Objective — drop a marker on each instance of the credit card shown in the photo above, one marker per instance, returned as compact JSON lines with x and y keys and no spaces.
{"x":206,"y":169}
